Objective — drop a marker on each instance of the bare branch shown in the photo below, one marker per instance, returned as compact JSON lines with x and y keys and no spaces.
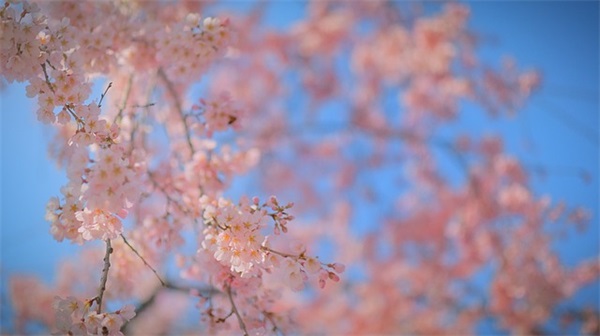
{"x":206,"y":292}
{"x":144,"y":260}
{"x":104,"y":278}
{"x":173,"y":93}
{"x":47,"y":77}
{"x":235,"y":311}
{"x":125,"y":99}
{"x":104,"y":94}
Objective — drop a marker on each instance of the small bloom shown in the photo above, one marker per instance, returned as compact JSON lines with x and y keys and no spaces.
{"x":339,"y":268}
{"x":312,"y":265}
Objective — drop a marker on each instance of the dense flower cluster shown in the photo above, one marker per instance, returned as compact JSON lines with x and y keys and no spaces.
{"x":196,"y":43}
{"x":94,"y":201}
{"x":75,"y":317}
{"x":21,"y":41}
{"x":235,"y":236}
{"x":219,"y":114}
{"x":56,"y":54}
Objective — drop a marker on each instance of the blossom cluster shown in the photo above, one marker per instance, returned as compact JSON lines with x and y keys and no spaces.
{"x":41,"y":51}
{"x":195,"y":43}
{"x":75,"y":317}
{"x":208,"y":171}
{"x":94,"y":201}
{"x":219,"y":114}
{"x":21,"y":41}
{"x":237,"y":236}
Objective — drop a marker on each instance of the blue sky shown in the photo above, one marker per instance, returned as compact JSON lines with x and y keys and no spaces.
{"x":559,"y":38}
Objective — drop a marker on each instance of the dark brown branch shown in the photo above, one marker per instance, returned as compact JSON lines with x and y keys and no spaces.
{"x":104,"y":94}
{"x":47,"y":77}
{"x":104,"y":277}
{"x":269,"y":317}
{"x":144,"y":260}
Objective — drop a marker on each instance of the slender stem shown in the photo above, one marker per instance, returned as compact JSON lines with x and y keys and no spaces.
{"x":208,"y":291}
{"x":173,"y":94}
{"x":141,"y":119}
{"x":235,"y":311}
{"x":144,"y":260}
{"x":140,"y":309}
{"x":144,"y":106}
{"x":125,"y":99}
{"x":47,"y":77}
{"x":584,"y":130}
{"x":269,"y":316}
{"x":80,"y":121}
{"x":224,"y":318}
{"x":166,"y":194}
{"x":104,"y":94}
{"x":285,"y":255}
{"x":104,"y":278}
{"x":50,"y":65}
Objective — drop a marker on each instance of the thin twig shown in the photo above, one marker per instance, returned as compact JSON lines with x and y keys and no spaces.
{"x":173,"y":94}
{"x":109,"y":250}
{"x":74,"y":115}
{"x":50,"y":65}
{"x":145,"y":305}
{"x":235,"y":311}
{"x":119,"y":115}
{"x":583,"y":130}
{"x":224,"y":318}
{"x":140,"y":120}
{"x":269,"y":316}
{"x":165,"y":193}
{"x":169,"y":198}
{"x":144,"y":106}
{"x":285,"y":255}
{"x":144,"y":260}
{"x":47,"y":77}
{"x":104,"y":94}
{"x":138,"y":310}
{"x":208,"y":291}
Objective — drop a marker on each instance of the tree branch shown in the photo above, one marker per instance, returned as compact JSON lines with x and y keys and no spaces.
{"x":144,"y":260}
{"x":47,"y":77}
{"x":235,"y":310}
{"x":119,"y":115}
{"x":104,"y":277}
{"x":104,"y":94}
{"x":173,"y":93}
{"x":207,"y":292}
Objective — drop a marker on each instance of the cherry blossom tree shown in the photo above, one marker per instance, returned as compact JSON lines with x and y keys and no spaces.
{"x":340,"y":114}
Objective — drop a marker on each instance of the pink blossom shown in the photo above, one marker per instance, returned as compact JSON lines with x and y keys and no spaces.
{"x":98,"y":224}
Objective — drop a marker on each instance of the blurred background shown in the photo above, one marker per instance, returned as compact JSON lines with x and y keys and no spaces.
{"x":555,"y":135}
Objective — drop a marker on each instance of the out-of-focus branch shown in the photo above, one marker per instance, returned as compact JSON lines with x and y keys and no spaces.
{"x":146,"y":304}
{"x":590,"y":134}
{"x":171,"y":88}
